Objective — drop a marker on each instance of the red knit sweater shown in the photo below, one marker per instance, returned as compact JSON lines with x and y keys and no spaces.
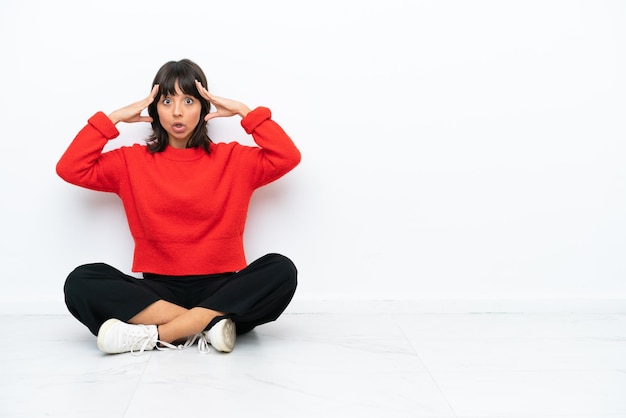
{"x":186,"y":209}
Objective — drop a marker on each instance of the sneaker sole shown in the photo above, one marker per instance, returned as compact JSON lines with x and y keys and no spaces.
{"x":102,"y":331}
{"x":226,"y":329}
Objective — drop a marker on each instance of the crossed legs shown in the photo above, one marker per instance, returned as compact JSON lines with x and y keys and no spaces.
{"x":180,"y":307}
{"x":174,"y":322}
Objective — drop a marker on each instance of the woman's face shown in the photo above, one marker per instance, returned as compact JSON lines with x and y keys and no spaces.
{"x":179,"y":115}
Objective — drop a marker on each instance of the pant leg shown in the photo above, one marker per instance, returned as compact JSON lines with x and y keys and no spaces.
{"x":97,"y":292}
{"x":257,"y":294}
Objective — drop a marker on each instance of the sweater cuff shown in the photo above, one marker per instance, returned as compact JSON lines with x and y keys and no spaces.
{"x":254,"y":118}
{"x":103,"y":124}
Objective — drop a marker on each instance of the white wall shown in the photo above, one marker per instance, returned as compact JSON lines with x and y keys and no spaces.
{"x":452,"y":150}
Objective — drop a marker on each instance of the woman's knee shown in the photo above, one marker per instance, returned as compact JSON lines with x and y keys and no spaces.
{"x":77,"y":279}
{"x":285,"y":268}
{"x":282,"y":261}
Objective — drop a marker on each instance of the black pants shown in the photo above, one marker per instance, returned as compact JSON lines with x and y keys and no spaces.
{"x":253,"y":296}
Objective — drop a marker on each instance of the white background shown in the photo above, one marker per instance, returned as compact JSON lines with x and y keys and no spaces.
{"x":454,"y":152}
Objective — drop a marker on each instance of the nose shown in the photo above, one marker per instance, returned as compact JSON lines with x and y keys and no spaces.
{"x":178,"y":109}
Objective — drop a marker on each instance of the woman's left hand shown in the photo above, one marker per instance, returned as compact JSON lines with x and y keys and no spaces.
{"x":224,"y":107}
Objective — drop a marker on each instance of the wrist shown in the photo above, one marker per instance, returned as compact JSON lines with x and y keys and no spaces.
{"x":243,"y":111}
{"x":115,"y":120}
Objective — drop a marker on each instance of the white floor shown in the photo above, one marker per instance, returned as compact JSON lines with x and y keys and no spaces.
{"x":329,"y":365}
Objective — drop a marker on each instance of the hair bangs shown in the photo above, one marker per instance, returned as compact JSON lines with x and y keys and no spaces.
{"x":182,"y":75}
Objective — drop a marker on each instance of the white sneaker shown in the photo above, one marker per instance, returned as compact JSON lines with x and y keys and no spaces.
{"x":221,"y":336}
{"x":116,"y":336}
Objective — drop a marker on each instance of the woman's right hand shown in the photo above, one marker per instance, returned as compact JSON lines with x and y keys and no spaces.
{"x":132,"y":112}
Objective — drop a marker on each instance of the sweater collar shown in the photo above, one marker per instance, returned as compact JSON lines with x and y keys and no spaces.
{"x":186,"y":154}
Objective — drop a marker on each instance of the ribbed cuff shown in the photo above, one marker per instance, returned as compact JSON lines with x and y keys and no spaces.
{"x":255,"y":118}
{"x":103,"y":124}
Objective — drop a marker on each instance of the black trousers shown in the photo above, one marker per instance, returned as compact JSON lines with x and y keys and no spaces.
{"x":253,"y":296}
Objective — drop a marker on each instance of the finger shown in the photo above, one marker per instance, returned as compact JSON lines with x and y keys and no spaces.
{"x":145,"y":119}
{"x":139,"y":118}
{"x":211,"y":115}
{"x":204,"y":92}
{"x":142,"y":104}
{"x":151,"y":96}
{"x":154,"y":91}
{"x":213,"y":98}
{"x":201,"y":87}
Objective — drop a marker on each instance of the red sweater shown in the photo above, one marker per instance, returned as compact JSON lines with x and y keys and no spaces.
{"x":186,"y":209}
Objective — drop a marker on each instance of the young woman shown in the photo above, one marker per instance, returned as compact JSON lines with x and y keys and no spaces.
{"x":186,"y":200}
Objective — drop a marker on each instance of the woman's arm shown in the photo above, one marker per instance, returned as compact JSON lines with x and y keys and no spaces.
{"x":277,"y":154}
{"x":84,"y":164}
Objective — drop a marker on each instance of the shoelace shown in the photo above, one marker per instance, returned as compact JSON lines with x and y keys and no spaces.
{"x":143,"y":340}
{"x":202,"y":338}
{"x":141,"y":350}
{"x":160,"y":345}
{"x":203,"y":342}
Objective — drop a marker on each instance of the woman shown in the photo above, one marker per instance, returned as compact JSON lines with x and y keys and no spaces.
{"x":186,"y":200}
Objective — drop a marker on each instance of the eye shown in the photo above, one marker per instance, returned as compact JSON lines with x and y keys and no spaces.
{"x":167,"y":101}
{"x":188,"y":100}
